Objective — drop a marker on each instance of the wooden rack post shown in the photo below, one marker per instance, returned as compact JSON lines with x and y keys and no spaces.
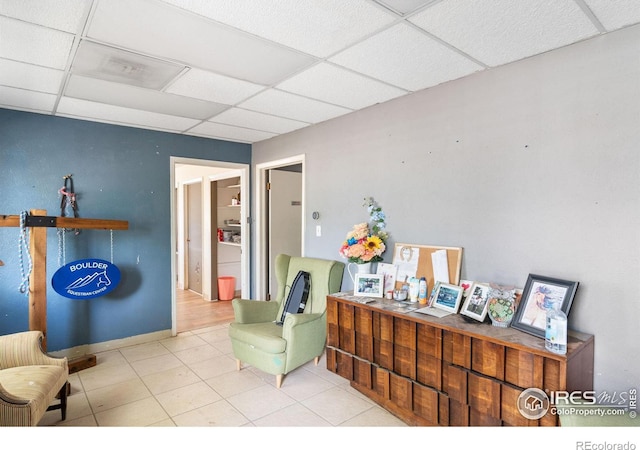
{"x":38,"y":222}
{"x":38,"y":278}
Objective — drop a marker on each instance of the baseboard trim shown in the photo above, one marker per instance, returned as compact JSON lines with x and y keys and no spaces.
{"x":83,"y":350}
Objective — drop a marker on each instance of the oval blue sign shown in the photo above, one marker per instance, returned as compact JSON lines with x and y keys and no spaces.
{"x":86,"y":278}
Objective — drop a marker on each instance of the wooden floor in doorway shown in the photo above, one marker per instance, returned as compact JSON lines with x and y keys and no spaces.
{"x":193,"y":312}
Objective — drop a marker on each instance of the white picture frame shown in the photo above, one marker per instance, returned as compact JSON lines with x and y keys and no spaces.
{"x":432,"y":296}
{"x":389,"y":272}
{"x":466,"y":285}
{"x":369,"y":285}
{"x":476,"y":302}
{"x":448,"y":297}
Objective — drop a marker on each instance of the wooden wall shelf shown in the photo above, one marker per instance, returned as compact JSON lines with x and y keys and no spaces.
{"x":65,"y":222}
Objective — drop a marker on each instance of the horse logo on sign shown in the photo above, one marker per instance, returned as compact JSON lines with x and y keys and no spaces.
{"x":86,"y":279}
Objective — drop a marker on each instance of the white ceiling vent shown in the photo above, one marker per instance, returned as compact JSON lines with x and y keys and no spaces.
{"x":111,"y":64}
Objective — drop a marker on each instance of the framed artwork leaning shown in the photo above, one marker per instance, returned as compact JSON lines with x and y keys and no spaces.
{"x":369,"y":285}
{"x":476,"y":302}
{"x":448,"y":297}
{"x":541,"y":293}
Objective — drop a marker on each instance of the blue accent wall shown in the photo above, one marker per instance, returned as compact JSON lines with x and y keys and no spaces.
{"x":119,"y":173}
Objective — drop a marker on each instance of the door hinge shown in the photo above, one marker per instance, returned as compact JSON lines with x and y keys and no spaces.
{"x":268,"y":185}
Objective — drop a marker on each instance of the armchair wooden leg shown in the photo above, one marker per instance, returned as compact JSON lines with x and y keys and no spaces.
{"x":238,"y":364}
{"x":279,"y":378}
{"x":63,"y":400}
{"x":316,"y":360}
{"x":62,"y":396}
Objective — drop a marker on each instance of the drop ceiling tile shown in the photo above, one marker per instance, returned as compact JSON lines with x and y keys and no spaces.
{"x":63,"y":15}
{"x":339,"y":86}
{"x":164,"y":31}
{"x":27,"y":76}
{"x":213,"y":87}
{"x":139,"y":98}
{"x":291,"y":106}
{"x":614,"y":15}
{"x":34,"y":44}
{"x":319,"y":28}
{"x":21,"y":99}
{"x":227,"y":132}
{"x":407,"y":58}
{"x":501,"y":31}
{"x":76,"y":108}
{"x":405,"y":6}
{"x":259,"y":121}
{"x":231,"y":69}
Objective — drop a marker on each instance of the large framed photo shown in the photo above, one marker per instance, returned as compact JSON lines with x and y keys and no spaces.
{"x":476,"y":302}
{"x":369,"y":285}
{"x":541,"y":293}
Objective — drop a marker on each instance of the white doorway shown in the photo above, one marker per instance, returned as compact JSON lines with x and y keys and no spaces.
{"x":280,"y":219}
{"x":191,"y":172}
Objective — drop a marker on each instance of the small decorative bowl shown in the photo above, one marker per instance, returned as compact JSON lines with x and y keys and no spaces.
{"x":400,"y":295}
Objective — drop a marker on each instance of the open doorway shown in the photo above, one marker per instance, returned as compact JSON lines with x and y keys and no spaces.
{"x":194,"y":183}
{"x":280,"y":218}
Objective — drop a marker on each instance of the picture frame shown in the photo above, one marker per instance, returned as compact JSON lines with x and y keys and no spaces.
{"x":369,"y":285}
{"x":448,"y":297}
{"x":466,"y":286}
{"x":476,"y":302}
{"x":389,"y":272}
{"x":432,"y":296}
{"x":539,"y":294}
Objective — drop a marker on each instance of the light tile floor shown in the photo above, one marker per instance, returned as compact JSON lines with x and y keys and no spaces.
{"x":191,"y":381}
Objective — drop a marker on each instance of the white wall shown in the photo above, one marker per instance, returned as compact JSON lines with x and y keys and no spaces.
{"x":531,"y":167}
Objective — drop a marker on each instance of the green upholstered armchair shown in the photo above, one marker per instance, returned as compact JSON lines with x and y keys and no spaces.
{"x":29,"y":380}
{"x":278,"y":349}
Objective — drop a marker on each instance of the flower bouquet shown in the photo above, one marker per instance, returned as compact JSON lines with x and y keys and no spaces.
{"x":366,"y":241}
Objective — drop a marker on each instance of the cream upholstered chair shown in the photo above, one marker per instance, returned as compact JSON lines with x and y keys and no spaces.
{"x":278,"y":349}
{"x":30,"y":380}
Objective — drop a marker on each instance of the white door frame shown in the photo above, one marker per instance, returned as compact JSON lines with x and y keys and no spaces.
{"x":261,"y":209}
{"x":235,"y":169}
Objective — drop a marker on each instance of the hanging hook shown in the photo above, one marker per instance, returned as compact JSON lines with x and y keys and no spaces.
{"x":68,"y":195}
